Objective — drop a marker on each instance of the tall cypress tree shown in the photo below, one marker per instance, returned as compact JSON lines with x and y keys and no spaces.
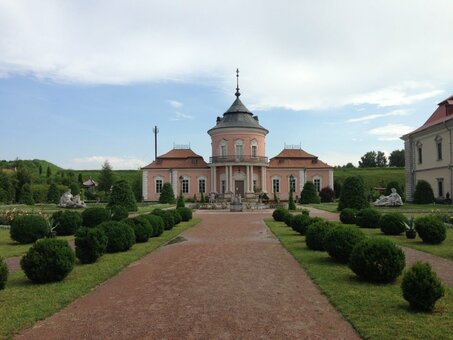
{"x":167,"y":195}
{"x":53,"y":196}
{"x":106,"y":177}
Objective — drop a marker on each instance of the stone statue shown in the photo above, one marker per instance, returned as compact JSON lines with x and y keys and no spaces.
{"x":69,"y":201}
{"x":212,"y":197}
{"x":392,"y":200}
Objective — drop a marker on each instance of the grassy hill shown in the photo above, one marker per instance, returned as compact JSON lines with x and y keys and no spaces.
{"x":372,"y":177}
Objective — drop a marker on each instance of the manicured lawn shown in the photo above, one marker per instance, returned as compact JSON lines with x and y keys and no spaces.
{"x":408,"y":209}
{"x":10,"y":248}
{"x":375,"y":311}
{"x":23,"y":303}
{"x":445,"y":249}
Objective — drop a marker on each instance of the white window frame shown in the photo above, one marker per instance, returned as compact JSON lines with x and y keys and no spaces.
{"x":223,"y":186}
{"x":223,"y":151}
{"x":200,"y":180}
{"x":319,"y":180}
{"x":185,"y":181}
{"x":276,"y":180}
{"x":156,"y":179}
{"x":239,"y":146}
{"x":294,"y":185}
{"x":254,"y":146}
{"x":438,"y":141}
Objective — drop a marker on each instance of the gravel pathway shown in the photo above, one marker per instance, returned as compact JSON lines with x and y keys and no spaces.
{"x":230,"y":279}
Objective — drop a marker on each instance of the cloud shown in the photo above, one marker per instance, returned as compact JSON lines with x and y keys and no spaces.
{"x":401,"y":112}
{"x":96,"y":162}
{"x":391,"y":132}
{"x":181,"y":116}
{"x":174,"y":103}
{"x":297,"y":55}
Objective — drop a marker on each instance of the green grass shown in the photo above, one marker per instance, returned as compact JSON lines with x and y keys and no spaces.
{"x":375,"y":311}
{"x":9,"y":248}
{"x":445,"y":249}
{"x":23,"y":303}
{"x":372,"y":177}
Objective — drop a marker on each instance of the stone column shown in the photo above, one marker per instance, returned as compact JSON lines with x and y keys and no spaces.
{"x":251,"y":178}
{"x":227,"y":181}
{"x":231,"y":179}
{"x":174,"y":181}
{"x":214,"y":187}
{"x":263,"y":179}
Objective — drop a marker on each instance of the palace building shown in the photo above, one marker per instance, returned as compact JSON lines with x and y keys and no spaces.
{"x":238,"y":165}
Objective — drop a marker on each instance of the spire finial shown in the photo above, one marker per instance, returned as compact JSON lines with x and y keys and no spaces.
{"x":237,"y":94}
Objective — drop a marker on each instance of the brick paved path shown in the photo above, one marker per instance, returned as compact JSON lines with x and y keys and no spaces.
{"x":231,"y":279}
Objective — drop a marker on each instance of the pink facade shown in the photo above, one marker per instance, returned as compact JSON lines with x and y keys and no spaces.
{"x":238,"y":165}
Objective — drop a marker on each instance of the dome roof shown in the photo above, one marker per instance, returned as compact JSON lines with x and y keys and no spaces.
{"x":238,"y":116}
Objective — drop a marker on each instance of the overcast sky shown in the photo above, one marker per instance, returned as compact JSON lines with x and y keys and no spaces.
{"x":85,"y":81}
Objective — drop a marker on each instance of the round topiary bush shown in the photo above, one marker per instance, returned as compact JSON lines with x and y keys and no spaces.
{"x":3,"y":273}
{"x":120,"y":236}
{"x":368,"y":218}
{"x":91,"y":217}
{"x":348,"y":216}
{"x":299,"y":223}
{"x":186,"y":213}
{"x":288,"y":219}
{"x":157,"y":223}
{"x":142,"y":228}
{"x":90,"y":244}
{"x":169,"y":221}
{"x":393,"y":223}
{"x":66,"y":222}
{"x":421,"y":287}
{"x":316,"y":233}
{"x":353,"y":194}
{"x":430,"y":229}
{"x":327,"y":195}
{"x":279,"y":214}
{"x":423,"y":193}
{"x":377,"y":260}
{"x":176,"y":216}
{"x":28,"y":228}
{"x":118,"y":213}
{"x":48,"y":260}
{"x":340,"y":240}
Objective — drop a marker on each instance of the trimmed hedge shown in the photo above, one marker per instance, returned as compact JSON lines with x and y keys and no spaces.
{"x":300,"y":223}
{"x":279,"y":214}
{"x":316,"y":234}
{"x":167,"y":216}
{"x":142,"y":228}
{"x":66,"y":222}
{"x":122,"y":195}
{"x":3,"y":273}
{"x":118,"y":213}
{"x":423,"y":193}
{"x":353,"y":194}
{"x":377,"y":260}
{"x":308,"y":194}
{"x":393,"y":223}
{"x":120,"y":236}
{"x":368,"y":218}
{"x":431,"y":229}
{"x":348,"y":216}
{"x":91,"y":217}
{"x":48,"y":260}
{"x":157,"y":223}
{"x":340,"y":240}
{"x":90,"y":243}
{"x":186,"y":213}
{"x":28,"y":228}
{"x":288,"y":219}
{"x":421,"y":287}
{"x":176,"y":216}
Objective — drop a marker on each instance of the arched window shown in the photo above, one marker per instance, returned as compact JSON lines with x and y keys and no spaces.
{"x":239,"y":149}
{"x":223,"y":152}
{"x":254,"y":148}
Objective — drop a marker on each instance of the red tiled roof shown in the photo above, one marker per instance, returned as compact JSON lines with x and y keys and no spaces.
{"x":297,"y":158}
{"x":178,"y":159}
{"x":439,"y":116}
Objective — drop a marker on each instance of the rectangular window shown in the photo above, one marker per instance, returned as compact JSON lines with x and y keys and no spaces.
{"x":439,"y":151}
{"x":185,"y":186}
{"x":158,"y":186}
{"x":202,"y":186}
{"x":292,"y":184}
{"x":254,"y":185}
{"x":223,"y":151}
{"x":254,"y":147}
{"x":223,"y":182}
{"x":420,"y":160}
{"x":276,"y":185}
{"x":440,"y":186}
{"x":317,"y":183}
{"x":239,"y":150}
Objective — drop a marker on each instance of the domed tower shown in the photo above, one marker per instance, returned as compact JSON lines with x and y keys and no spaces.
{"x":238,"y":163}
